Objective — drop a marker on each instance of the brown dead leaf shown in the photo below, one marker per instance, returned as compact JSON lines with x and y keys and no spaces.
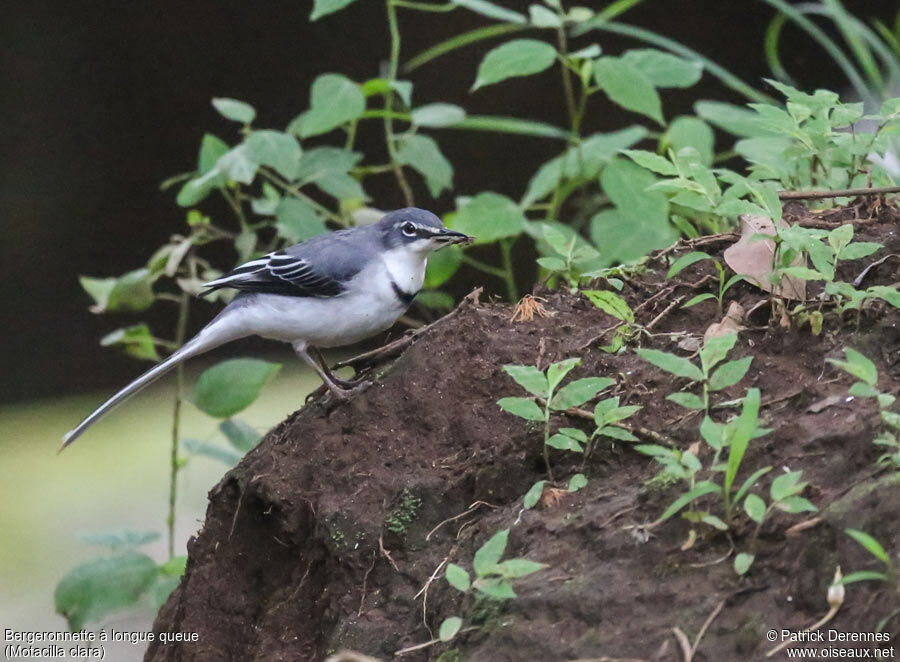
{"x":689,"y":543}
{"x":732,"y":322}
{"x":754,"y":258}
{"x":690,"y":343}
{"x":825,"y":403}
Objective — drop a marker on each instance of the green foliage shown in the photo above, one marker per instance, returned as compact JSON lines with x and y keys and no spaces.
{"x":519,"y":57}
{"x":493,"y":577}
{"x":725,"y":284}
{"x":232,"y":386}
{"x":875,"y":548}
{"x":712,"y":353}
{"x":862,"y":368}
{"x":550,"y":399}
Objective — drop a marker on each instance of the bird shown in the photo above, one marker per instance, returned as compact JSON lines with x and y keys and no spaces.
{"x":331,"y":290}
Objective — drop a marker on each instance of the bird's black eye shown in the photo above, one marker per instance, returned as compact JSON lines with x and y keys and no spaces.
{"x":408,"y":229}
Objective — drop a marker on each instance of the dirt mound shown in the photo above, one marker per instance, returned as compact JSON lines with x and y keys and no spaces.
{"x":324,"y":536}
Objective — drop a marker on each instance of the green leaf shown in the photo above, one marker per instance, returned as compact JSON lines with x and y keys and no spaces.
{"x":742,"y":562}
{"x":857,"y":365}
{"x":736,"y":120}
{"x":512,"y":125}
{"x":859,"y":250}
{"x":610,"y":303}
{"x":640,"y":221}
{"x":489,"y":217}
{"x":385,"y":87}
{"x":136,"y":340}
{"x":438,"y":115}
{"x":131,"y":292}
{"x":324,"y":7}
{"x":242,"y":436}
{"x":231,"y":386}
{"x":297,"y":220}
{"x":872,"y":546}
{"x":237,"y":165}
{"x":685,"y":261}
{"x":541,"y":17}
{"x":755,"y":507}
{"x":652,"y":161}
{"x":865,"y":575}
{"x":663,"y":69}
{"x":120,"y":538}
{"x":211,"y":150}
{"x":564,"y":443}
{"x":515,"y":568}
{"x":691,"y":132}
{"x":489,"y":554}
{"x":528,"y":377}
{"x":277,"y":149}
{"x":434,"y":299}
{"x":558,"y":371}
{"x":693,"y":301}
{"x":676,"y":365}
{"x":580,"y":391}
{"x":750,"y":482}
{"x":321,"y":162}
{"x":334,"y":100}
{"x":213,"y":451}
{"x":715,"y":349}
{"x":613,"y":432}
{"x":496,"y":588}
{"x":449,"y":628}
{"x":522,"y":407}
{"x":533,"y":495}
{"x":701,"y":489}
{"x":889,"y":294}
{"x":235,"y":110}
{"x":577,"y":482}
{"x":519,"y":57}
{"x":786,"y":485}
{"x":627,"y":87}
{"x":742,"y":432}
{"x":457,"y":577}
{"x":729,"y":374}
{"x":686,"y":400}
{"x":491,"y":10}
{"x":796,"y":504}
{"x":441,"y":266}
{"x":174,"y":567}
{"x":93,"y":589}
{"x":423,"y":154}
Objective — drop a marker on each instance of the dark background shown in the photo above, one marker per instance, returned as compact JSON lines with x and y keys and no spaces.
{"x":101,"y":101}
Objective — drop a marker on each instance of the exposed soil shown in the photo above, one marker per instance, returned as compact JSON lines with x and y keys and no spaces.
{"x":318,"y":541}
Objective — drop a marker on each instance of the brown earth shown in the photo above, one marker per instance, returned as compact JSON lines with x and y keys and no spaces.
{"x":318,"y":541}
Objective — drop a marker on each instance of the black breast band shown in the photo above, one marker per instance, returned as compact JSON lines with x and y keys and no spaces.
{"x":404,"y":296}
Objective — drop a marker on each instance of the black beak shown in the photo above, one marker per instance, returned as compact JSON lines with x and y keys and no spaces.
{"x":447,"y":237}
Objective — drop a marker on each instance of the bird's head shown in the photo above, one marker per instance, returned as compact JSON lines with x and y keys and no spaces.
{"x":418,"y":230}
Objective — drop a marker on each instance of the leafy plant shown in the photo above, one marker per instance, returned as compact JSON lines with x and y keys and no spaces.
{"x":550,"y":398}
{"x":859,"y":366}
{"x":614,"y":305}
{"x":125,"y":577}
{"x":888,"y":575}
{"x":493,"y":578}
{"x":724,"y":283}
{"x":712,"y":353}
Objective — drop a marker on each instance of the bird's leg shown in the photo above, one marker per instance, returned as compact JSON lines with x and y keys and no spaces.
{"x":343,"y":383}
{"x":336,"y":389}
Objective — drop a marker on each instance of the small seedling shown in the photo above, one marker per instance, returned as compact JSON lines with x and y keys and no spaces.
{"x":614,"y":305}
{"x":712,"y":353}
{"x":724,"y":283}
{"x":545,"y":386}
{"x":875,"y":548}
{"x":571,"y":254}
{"x":864,"y":370}
{"x":493,"y":578}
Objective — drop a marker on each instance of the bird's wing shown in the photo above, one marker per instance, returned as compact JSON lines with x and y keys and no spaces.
{"x":319,"y":267}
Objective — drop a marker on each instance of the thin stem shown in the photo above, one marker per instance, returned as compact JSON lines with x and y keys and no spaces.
{"x":512,"y":292}
{"x":547,"y":436}
{"x":566,"y":74}
{"x":484,"y":266}
{"x":389,"y":103}
{"x":297,"y":193}
{"x":236,"y":207}
{"x":174,"y":464}
{"x":424,"y":6}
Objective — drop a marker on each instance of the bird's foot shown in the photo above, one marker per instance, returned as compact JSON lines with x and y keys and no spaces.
{"x":342,"y":392}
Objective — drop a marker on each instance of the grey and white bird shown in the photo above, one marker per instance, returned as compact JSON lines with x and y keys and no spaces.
{"x":329,"y":291}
